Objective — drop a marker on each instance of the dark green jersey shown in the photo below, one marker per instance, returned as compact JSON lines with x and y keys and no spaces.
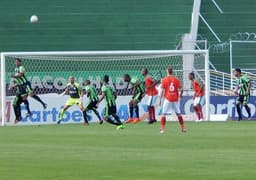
{"x":243,"y":84}
{"x":74,"y":90}
{"x":139,"y":89}
{"x":20,"y":80}
{"x":91,"y":90}
{"x":109,"y":92}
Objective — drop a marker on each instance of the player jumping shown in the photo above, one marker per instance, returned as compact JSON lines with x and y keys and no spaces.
{"x":24,"y":85}
{"x":20,"y":97}
{"x":18,"y":100}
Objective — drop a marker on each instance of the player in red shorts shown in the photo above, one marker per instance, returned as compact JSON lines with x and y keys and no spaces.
{"x":172,"y":91}
{"x":198,"y":96}
{"x":151,"y":92}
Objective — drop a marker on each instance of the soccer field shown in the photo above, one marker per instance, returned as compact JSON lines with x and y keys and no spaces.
{"x":207,"y":151}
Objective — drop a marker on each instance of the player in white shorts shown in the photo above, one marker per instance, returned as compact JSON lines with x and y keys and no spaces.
{"x":198,"y":97}
{"x":172,"y":91}
{"x":151,"y":93}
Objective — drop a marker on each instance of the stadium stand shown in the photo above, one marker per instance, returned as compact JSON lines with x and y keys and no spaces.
{"x":235,"y":23}
{"x":93,"y":24}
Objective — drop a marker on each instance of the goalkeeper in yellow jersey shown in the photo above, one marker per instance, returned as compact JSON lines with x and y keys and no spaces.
{"x":74,"y":90}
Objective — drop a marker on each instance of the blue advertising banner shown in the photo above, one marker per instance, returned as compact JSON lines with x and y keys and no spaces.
{"x":219,"y":105}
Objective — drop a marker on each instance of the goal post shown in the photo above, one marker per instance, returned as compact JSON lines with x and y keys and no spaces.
{"x":48,"y":73}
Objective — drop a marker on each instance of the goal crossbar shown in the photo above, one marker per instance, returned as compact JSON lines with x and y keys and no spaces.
{"x":115,"y":53}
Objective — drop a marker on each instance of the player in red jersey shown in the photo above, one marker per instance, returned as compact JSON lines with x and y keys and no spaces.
{"x":198,"y":96}
{"x":172,"y":91}
{"x":151,"y":92}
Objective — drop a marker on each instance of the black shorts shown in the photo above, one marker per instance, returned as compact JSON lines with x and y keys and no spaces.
{"x":138,"y":97}
{"x":91,"y":105}
{"x":242,"y":99}
{"x":17,"y":100}
{"x":24,"y":88}
{"x":21,"y":90}
{"x":110,"y":110}
{"x":28,"y":87}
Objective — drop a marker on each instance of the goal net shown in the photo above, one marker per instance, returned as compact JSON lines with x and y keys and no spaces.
{"x":49,"y":72}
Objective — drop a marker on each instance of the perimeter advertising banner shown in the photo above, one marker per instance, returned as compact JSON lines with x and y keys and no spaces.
{"x":219,"y":105}
{"x":49,"y":85}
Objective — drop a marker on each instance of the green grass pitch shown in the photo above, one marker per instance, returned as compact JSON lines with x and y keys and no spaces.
{"x":208,"y":151}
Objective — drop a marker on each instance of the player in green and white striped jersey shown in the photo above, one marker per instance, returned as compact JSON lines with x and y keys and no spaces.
{"x":139,"y":93}
{"x":243,"y":85}
{"x":23,"y":87}
{"x":109,"y":94}
{"x":91,"y":92}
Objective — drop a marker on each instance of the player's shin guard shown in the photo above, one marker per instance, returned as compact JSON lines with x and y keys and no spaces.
{"x":238,"y":109}
{"x":163,"y":122}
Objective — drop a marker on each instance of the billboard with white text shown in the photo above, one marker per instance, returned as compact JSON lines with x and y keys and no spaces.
{"x":219,"y":105}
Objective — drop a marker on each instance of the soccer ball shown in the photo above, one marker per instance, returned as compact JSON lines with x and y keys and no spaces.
{"x":34,"y":19}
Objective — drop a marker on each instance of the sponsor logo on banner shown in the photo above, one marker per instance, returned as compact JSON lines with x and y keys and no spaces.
{"x":219,"y":105}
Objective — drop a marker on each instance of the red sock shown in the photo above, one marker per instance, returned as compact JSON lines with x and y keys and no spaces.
{"x":181,"y":121}
{"x":150,"y":113}
{"x":153,"y":113}
{"x":163,"y":122}
{"x":197,"y":112}
{"x":200,"y":112}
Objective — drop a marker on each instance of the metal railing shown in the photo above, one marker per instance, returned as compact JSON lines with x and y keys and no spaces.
{"x":220,"y":83}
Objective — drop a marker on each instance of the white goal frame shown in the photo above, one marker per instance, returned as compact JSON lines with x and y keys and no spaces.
{"x":102,"y":53}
